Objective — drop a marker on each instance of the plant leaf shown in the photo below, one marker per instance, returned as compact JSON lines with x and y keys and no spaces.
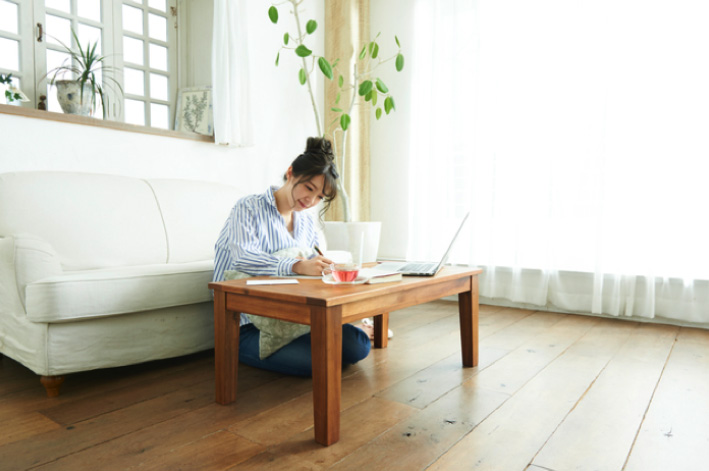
{"x":311,"y":26}
{"x":397,"y":41}
{"x":278,"y":58}
{"x":340,"y":81}
{"x":302,"y":76}
{"x":286,"y":37}
{"x":381,"y":87}
{"x":399,"y":62}
{"x":375,"y":51}
{"x":374,"y":97}
{"x":368,"y":96}
{"x":378,"y":113}
{"x":389,"y":104}
{"x":303,"y":51}
{"x":344,"y":121}
{"x":337,"y":100}
{"x":273,"y":14}
{"x":325,"y":67}
{"x":365,"y":87}
{"x":363,"y":52}
{"x":336,"y":110}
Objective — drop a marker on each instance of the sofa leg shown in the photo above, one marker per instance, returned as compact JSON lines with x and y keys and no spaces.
{"x":52,"y":384}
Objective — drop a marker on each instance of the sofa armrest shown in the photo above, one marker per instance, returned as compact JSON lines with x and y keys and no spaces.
{"x":34,"y":259}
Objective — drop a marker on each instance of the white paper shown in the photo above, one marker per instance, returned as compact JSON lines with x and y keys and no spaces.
{"x":272,"y":282}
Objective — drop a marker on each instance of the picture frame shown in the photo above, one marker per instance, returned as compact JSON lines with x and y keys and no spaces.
{"x":194,"y":110}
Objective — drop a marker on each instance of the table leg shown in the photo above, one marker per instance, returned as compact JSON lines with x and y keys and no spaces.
{"x":381,"y":330}
{"x":226,"y":350}
{"x":326,"y":350}
{"x":468,"y":312}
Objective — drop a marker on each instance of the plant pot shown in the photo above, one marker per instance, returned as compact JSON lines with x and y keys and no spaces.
{"x":348,"y":236}
{"x":71,"y":99}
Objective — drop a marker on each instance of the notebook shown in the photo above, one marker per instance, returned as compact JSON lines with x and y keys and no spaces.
{"x":422,"y":268}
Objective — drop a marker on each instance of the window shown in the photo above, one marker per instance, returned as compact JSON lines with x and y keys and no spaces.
{"x":137,"y":37}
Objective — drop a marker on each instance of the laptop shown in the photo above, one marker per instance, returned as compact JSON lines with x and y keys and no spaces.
{"x":422,"y":268}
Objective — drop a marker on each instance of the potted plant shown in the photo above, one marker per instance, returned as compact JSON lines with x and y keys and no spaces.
{"x":78,"y":94}
{"x":363,"y":84}
{"x":13,"y":95}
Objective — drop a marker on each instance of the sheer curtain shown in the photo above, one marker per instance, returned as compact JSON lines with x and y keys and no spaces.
{"x":230,"y":74}
{"x":576,"y":134}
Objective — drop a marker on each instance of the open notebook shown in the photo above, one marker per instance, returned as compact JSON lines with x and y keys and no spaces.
{"x":422,"y":268}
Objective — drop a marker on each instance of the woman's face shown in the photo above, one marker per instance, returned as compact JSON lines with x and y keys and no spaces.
{"x":305,"y":193}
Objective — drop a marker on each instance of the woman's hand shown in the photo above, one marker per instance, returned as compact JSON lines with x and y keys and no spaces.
{"x":312,"y":267}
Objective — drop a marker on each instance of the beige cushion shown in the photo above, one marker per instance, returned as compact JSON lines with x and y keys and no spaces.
{"x":99,"y":293}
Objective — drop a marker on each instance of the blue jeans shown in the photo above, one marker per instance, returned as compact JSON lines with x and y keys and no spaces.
{"x":294,"y":358}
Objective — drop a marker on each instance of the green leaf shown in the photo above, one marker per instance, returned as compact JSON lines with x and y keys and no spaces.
{"x":273,"y":14}
{"x":389,"y":104}
{"x":374,"y":97}
{"x":325,"y":67}
{"x":303,"y":51}
{"x":378,"y":113}
{"x":302,"y":76}
{"x":344,"y":121}
{"x":278,"y":58}
{"x":399,"y":62}
{"x":363,"y":53}
{"x":368,"y":96}
{"x":375,"y":51}
{"x":397,"y":41}
{"x":340,"y":81}
{"x":337,"y":100}
{"x":336,"y":110}
{"x":365,"y":87}
{"x":311,"y":26}
{"x":371,"y":47}
{"x":286,"y":37}
{"x":381,"y":87}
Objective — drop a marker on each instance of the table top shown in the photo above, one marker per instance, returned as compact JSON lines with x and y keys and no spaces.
{"x":315,"y":292}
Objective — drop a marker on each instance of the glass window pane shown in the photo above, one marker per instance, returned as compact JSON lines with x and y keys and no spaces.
{"x":8,"y":17}
{"x":135,"y":112}
{"x":9,"y":54}
{"x":57,"y":59}
{"x":58,"y":30}
{"x":61,"y":5}
{"x":157,"y":27}
{"x":133,"y":50}
{"x":134,"y":81}
{"x":158,"y":87}
{"x":158,"y":4}
{"x":132,"y":19}
{"x":158,"y":57}
{"x":88,"y":34}
{"x":90,"y":9}
{"x":159,"y":116}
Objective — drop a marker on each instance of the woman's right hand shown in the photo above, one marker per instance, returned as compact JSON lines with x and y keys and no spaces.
{"x":312,"y":267}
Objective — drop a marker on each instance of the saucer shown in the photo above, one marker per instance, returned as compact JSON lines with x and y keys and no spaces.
{"x":331,"y":281}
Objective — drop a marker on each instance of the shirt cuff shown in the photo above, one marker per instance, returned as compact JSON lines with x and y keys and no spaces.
{"x":285,"y":266}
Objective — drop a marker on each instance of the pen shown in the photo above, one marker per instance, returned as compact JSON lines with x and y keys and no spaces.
{"x":317,"y":249}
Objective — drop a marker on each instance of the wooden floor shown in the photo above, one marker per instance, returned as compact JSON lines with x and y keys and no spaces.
{"x":552,"y":392}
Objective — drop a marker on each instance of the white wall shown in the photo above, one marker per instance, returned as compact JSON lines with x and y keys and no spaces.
{"x":390,"y":136}
{"x":280,"y":107}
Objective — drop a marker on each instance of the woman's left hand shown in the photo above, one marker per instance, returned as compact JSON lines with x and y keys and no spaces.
{"x":313,"y":266}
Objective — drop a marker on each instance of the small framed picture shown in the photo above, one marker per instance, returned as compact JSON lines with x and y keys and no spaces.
{"x":194,"y":111}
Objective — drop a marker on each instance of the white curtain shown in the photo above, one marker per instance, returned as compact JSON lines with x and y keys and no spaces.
{"x":230,"y":74}
{"x":577,"y":134}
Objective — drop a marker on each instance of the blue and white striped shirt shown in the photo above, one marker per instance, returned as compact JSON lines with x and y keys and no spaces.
{"x":254,"y":231}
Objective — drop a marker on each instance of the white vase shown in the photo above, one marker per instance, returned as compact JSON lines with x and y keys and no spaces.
{"x":71,"y":99}
{"x":348,"y":236}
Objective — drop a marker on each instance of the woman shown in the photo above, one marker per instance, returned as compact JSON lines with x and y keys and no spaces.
{"x":261,"y":225}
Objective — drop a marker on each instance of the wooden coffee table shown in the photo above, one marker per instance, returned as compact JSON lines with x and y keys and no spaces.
{"x":325,"y":308}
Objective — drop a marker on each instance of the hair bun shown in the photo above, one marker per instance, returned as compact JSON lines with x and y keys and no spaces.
{"x":319,"y":145}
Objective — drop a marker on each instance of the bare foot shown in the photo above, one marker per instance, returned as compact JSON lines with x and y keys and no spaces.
{"x":368,"y":329}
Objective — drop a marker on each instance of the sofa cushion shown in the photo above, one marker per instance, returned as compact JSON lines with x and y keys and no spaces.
{"x":91,"y":220}
{"x":107,"y":292}
{"x":194,"y":213}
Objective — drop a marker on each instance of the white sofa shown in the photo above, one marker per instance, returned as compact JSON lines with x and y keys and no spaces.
{"x":101,"y":271}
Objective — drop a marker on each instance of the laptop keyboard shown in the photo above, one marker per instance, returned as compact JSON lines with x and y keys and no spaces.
{"x":418,"y":267}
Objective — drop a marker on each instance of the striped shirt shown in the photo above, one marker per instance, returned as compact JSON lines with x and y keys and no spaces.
{"x":254,"y":231}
